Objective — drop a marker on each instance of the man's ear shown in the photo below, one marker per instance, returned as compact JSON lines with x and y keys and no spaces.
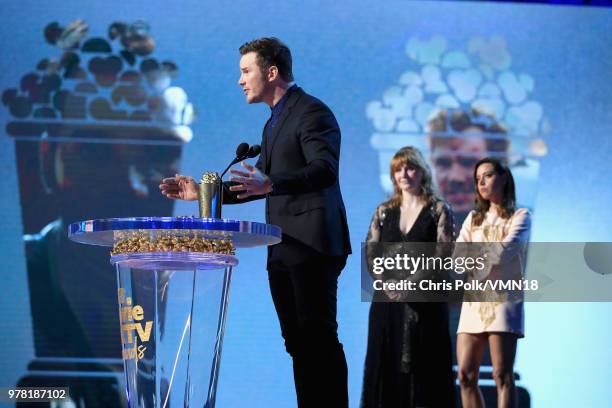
{"x":273,"y":73}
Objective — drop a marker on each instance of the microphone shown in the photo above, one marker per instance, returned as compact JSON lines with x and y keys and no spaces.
{"x":243,"y":151}
{"x":254,"y":151}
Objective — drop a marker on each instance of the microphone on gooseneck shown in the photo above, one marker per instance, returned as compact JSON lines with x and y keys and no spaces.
{"x":242,"y":152}
{"x":254,"y":151}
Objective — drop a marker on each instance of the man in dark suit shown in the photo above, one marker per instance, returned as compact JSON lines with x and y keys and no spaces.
{"x":297,"y":174}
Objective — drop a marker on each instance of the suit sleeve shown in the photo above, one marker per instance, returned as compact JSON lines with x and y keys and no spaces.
{"x":319,"y":137}
{"x":231,"y":197}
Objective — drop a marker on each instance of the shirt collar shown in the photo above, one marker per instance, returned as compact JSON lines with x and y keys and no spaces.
{"x":276,"y":109}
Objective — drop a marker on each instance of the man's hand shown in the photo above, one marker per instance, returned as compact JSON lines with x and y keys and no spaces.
{"x":252,"y":182}
{"x":179,"y":188}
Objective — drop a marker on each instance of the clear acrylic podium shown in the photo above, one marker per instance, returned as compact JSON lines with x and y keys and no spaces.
{"x":173,"y":298}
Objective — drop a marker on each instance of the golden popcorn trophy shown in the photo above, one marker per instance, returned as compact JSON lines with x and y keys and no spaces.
{"x":173,"y":279}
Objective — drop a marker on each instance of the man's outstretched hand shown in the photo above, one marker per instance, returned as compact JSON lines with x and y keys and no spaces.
{"x":180,"y":188}
{"x":251,"y":182}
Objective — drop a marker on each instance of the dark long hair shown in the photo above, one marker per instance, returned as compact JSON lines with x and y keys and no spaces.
{"x":508,"y":196}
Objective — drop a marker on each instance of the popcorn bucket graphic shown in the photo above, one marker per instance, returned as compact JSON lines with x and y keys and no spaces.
{"x":95,"y":129}
{"x":458,"y":107}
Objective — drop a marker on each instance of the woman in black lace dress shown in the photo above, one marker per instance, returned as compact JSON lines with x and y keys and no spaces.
{"x":408,"y":361}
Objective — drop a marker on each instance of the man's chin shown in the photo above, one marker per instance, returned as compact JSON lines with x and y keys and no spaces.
{"x":251,"y":100}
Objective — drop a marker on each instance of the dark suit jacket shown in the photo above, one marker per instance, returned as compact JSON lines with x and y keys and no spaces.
{"x":301,"y":156}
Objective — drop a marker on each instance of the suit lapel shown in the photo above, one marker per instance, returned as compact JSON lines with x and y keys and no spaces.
{"x":291,"y":101}
{"x":264,"y":147}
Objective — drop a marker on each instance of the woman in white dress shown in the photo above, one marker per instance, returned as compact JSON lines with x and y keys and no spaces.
{"x":495,"y":219}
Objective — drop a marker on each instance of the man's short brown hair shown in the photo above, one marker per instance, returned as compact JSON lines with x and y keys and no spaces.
{"x":270,"y":52}
{"x":447,"y":122}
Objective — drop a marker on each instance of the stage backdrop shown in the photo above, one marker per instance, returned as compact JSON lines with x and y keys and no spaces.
{"x":99,"y":101}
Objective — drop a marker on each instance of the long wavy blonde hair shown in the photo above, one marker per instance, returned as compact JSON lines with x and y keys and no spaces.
{"x":409,"y":155}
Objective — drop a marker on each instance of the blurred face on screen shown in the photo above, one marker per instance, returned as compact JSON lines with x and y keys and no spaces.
{"x":252,"y":79}
{"x":453,"y":160}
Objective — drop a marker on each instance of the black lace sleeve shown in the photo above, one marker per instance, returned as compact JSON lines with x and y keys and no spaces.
{"x":446,"y":222}
{"x":375,"y":229}
{"x":372,"y":250}
{"x":445,"y":239}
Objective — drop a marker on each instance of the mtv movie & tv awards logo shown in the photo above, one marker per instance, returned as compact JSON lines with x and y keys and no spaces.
{"x":135,"y":331}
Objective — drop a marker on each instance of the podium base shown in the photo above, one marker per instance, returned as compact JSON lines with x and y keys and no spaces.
{"x":172,"y":311}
